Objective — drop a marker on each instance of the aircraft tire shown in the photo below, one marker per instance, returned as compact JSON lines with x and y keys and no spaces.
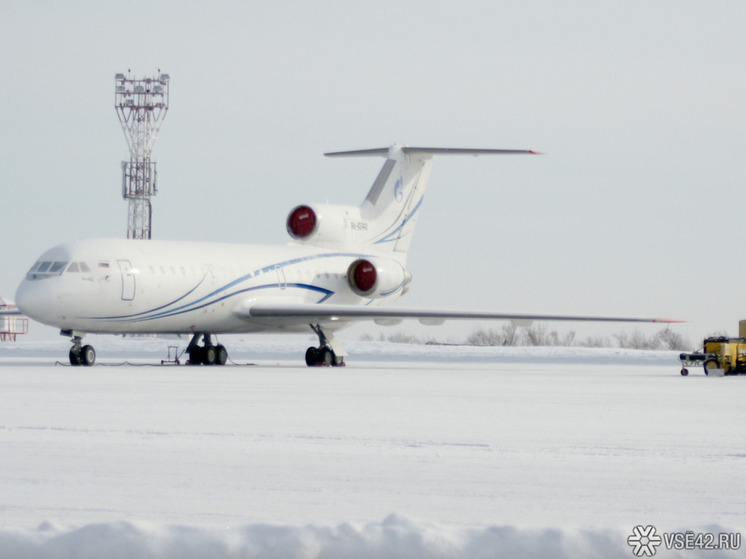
{"x":684,"y":372}
{"x":221,"y":355}
{"x":196,"y":355}
{"x":326,"y":357}
{"x":312,"y":356}
{"x":75,"y":356}
{"x":87,"y":355}
{"x":209,"y":355}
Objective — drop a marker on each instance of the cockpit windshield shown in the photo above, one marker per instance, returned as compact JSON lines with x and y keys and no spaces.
{"x":45,"y":269}
{"x":49,"y":268}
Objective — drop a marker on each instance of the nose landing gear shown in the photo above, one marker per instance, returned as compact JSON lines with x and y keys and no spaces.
{"x":81,"y":354}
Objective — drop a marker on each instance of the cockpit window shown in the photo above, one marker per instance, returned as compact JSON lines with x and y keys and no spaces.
{"x":57,"y":267}
{"x":46,"y":269}
{"x":77,"y":267}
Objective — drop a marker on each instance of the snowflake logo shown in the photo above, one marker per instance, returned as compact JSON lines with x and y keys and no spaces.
{"x":644,"y":540}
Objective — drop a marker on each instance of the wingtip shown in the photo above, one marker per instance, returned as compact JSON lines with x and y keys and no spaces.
{"x":670,"y":320}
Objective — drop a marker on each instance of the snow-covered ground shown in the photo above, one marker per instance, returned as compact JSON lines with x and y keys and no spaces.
{"x":409,"y":451}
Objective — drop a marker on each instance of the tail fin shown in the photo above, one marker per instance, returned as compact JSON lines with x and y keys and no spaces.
{"x":393,"y":202}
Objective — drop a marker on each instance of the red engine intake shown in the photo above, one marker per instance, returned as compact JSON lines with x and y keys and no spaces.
{"x":362,"y":276}
{"x":377,"y":277}
{"x":301,"y":222}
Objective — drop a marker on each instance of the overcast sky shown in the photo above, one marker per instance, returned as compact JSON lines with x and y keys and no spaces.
{"x":636,"y":208}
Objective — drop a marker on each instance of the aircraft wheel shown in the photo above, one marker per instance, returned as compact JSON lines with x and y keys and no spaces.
{"x":710,"y":364}
{"x":221,"y":355}
{"x":196,"y":355}
{"x":327,"y":357}
{"x":87,"y":356}
{"x":684,"y":372}
{"x":312,"y":356}
{"x":75,"y":356}
{"x":209,"y":355}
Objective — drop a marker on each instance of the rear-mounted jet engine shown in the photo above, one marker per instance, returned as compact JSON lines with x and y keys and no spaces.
{"x":329,"y":226}
{"x":376,"y":277}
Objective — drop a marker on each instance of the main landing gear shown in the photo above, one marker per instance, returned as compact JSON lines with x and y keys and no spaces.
{"x":81,"y":354}
{"x":328,"y":354}
{"x":206,"y":354}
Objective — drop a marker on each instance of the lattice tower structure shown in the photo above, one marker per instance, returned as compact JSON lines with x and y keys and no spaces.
{"x":141,"y":106}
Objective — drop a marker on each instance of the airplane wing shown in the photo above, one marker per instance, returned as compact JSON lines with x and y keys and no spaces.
{"x":327,"y":314}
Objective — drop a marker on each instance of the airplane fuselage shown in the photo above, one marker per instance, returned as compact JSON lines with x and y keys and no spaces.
{"x":131,"y":286}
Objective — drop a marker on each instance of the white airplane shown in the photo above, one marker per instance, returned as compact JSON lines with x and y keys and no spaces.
{"x":343,"y":265}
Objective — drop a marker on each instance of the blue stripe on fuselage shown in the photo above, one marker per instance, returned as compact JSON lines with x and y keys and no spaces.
{"x":194,"y":305}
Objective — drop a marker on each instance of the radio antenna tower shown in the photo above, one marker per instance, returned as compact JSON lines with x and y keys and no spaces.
{"x":141,"y":105}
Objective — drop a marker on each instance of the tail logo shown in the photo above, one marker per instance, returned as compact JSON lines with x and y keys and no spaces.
{"x":398,"y":194}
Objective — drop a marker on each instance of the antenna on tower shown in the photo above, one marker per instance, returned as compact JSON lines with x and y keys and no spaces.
{"x":141,"y":105}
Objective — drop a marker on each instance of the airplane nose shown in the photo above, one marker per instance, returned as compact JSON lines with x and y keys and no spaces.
{"x":22,"y":297}
{"x":30,"y":298}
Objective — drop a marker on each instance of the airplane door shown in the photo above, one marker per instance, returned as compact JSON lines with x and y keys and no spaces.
{"x":281,"y":281}
{"x":128,"y":280}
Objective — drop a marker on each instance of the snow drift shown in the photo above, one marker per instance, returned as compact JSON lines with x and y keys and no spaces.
{"x":395,"y":537}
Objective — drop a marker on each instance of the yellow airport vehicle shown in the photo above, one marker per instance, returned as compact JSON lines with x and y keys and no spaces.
{"x":719,"y":355}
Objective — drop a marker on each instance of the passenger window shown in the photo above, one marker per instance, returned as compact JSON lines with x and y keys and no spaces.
{"x":73,"y":267}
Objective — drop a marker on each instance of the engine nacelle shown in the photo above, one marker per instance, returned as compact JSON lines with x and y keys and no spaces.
{"x":376,"y":277}
{"x":302,"y":222}
{"x":328,"y":225}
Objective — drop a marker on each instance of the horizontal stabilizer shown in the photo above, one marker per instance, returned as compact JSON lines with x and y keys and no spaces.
{"x":383,"y":152}
{"x":324,"y":313}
